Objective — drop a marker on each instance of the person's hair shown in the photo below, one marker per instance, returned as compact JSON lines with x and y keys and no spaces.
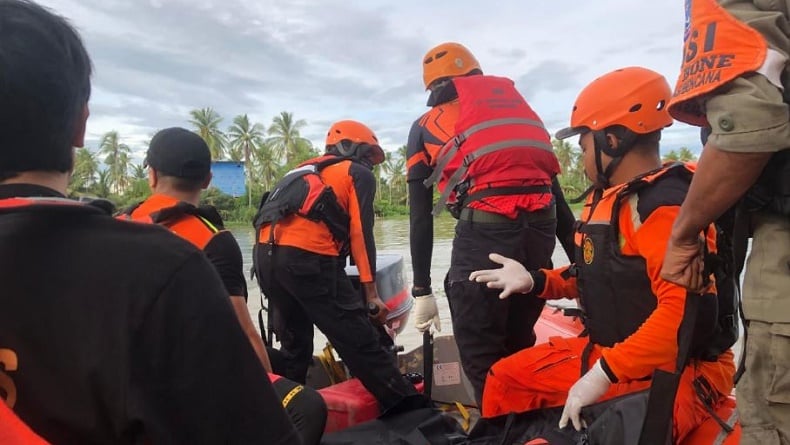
{"x":44,"y":85}
{"x":184,"y":185}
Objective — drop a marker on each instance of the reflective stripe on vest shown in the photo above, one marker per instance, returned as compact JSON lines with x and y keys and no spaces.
{"x":717,"y":49}
{"x":493,"y":116}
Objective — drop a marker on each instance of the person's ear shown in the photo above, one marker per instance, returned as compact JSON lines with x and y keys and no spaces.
{"x":207,"y":181}
{"x":613,"y":141}
{"x":153,"y":179}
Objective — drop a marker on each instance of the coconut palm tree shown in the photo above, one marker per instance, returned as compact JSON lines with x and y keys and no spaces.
{"x":245,"y":137}
{"x":206,"y":122}
{"x":85,"y":169}
{"x":266,"y":165}
{"x":138,"y":171}
{"x":116,"y":158}
{"x":284,"y":137}
{"x":102,"y":186}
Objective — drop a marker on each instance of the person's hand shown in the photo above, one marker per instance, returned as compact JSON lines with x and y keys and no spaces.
{"x":586,"y":391}
{"x":684,"y":263}
{"x":426,"y":313}
{"x":380,"y":313}
{"x":512,"y":277}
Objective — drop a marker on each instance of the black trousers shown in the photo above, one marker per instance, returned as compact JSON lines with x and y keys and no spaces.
{"x":485,"y":327}
{"x":305,"y":407}
{"x":305,"y":289}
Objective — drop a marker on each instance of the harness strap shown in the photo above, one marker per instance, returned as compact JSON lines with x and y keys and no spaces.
{"x":450,"y":148}
{"x":657,"y":428}
{"x":471,"y":157}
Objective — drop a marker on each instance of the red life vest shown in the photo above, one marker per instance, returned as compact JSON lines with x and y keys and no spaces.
{"x":500,"y":146}
{"x":717,"y":49}
{"x":12,"y":430}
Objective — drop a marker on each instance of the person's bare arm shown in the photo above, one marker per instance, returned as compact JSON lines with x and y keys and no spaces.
{"x":240,"y":308}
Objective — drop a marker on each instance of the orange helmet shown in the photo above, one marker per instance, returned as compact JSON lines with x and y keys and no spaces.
{"x":447,"y":60}
{"x":633,"y":97}
{"x":360,"y":137}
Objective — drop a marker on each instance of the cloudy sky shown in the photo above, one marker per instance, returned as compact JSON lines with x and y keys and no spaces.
{"x":325,"y":60}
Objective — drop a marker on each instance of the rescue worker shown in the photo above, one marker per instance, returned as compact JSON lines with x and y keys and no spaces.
{"x":179,"y":169}
{"x":733,"y":82}
{"x":633,"y":317}
{"x":110,"y":331}
{"x":503,"y":203}
{"x":301,"y":269}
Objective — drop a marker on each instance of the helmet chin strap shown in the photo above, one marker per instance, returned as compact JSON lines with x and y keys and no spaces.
{"x":625,"y":143}
{"x":350,"y":150}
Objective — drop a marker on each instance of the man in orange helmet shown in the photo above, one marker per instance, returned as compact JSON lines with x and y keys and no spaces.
{"x":301,"y":260}
{"x":633,"y":317}
{"x":492,"y":159}
{"x":734,"y":84}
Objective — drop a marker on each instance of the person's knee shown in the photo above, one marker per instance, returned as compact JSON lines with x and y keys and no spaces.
{"x":308,"y":412}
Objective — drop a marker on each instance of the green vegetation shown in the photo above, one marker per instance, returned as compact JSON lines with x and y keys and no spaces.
{"x":268,"y":153}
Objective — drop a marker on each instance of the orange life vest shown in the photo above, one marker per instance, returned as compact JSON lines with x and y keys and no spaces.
{"x":183,"y":219}
{"x":717,"y":49}
{"x":608,"y":279}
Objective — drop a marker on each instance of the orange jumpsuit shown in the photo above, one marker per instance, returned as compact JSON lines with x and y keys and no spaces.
{"x":540,"y":377}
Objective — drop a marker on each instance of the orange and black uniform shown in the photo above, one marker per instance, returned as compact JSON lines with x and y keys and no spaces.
{"x":117,"y":332}
{"x":303,"y":275}
{"x":521,"y":226}
{"x":203,"y":227}
{"x":632,"y":316}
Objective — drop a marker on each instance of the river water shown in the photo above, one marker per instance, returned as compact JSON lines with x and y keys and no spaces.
{"x":392,"y":236}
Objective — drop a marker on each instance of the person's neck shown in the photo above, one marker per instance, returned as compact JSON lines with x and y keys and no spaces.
{"x":189,"y":197}
{"x":54,"y":180}
{"x":633,"y":165}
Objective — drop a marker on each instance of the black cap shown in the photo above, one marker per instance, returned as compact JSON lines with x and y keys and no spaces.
{"x":179,"y":152}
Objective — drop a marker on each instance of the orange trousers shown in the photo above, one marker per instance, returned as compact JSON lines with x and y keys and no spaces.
{"x":541,"y":376}
{"x":13,"y":431}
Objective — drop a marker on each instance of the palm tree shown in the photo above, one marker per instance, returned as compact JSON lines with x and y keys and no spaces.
{"x":572,"y":178}
{"x":685,"y":155}
{"x":285,"y":138}
{"x":85,"y":169}
{"x":102,"y":186}
{"x":267,"y":167}
{"x":116,"y":158}
{"x":206,"y":122}
{"x":138,"y":172}
{"x":246,"y":137}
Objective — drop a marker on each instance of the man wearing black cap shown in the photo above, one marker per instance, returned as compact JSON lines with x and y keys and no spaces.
{"x":110,"y":332}
{"x":179,"y":168}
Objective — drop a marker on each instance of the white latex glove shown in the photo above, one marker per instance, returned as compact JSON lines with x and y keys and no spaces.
{"x":512,"y":277}
{"x":426,"y":313}
{"x":586,"y":391}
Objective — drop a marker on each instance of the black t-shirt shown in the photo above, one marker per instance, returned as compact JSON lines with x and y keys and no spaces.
{"x":224,"y":253}
{"x":117,"y":332}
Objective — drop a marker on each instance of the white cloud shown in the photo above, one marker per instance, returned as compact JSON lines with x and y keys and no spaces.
{"x":331,"y":59}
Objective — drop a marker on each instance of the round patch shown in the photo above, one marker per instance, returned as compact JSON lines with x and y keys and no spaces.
{"x":459,"y":62}
{"x":588,"y":250}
